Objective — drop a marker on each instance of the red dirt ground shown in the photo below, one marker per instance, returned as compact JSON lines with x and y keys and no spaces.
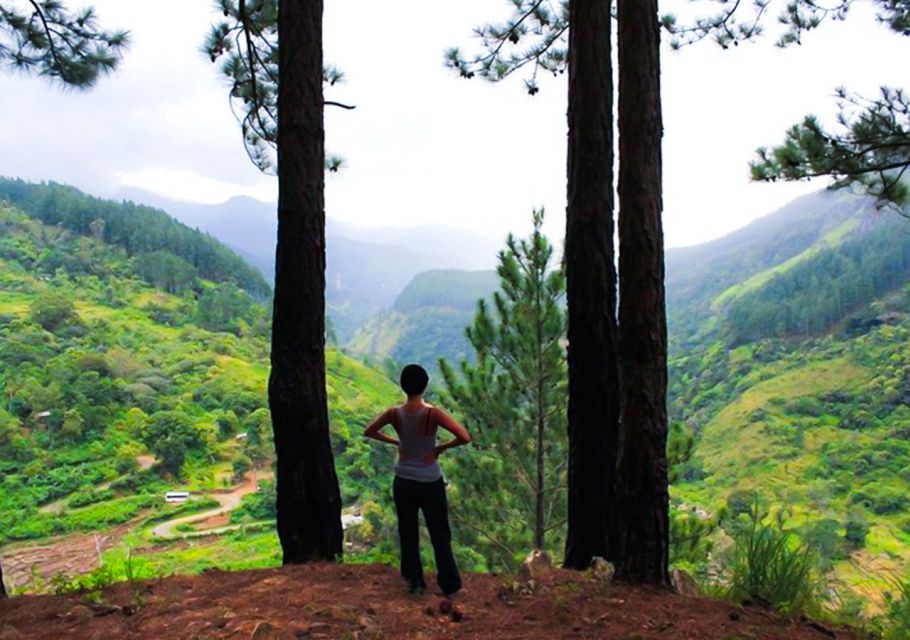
{"x":364,"y":602}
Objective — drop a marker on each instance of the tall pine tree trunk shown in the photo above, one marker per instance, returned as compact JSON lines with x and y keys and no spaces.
{"x":593,"y":412}
{"x":642,"y":313}
{"x":309,"y":502}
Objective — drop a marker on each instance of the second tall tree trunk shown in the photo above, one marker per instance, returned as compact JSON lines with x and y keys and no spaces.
{"x":309,"y":502}
{"x":593,"y":412}
{"x":642,"y":314}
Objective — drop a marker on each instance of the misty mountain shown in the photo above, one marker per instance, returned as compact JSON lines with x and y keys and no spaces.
{"x":427,"y":320}
{"x":702,"y":280}
{"x":809,"y":265}
{"x":366,"y":267}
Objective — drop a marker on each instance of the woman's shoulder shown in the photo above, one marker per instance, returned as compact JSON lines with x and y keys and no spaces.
{"x":413,"y":410}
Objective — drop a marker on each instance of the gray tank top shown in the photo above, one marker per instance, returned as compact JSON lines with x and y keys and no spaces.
{"x":417,"y":434}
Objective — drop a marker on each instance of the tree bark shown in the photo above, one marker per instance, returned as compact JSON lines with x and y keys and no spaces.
{"x":2,"y":586}
{"x":309,"y":501}
{"x":593,"y":412}
{"x":539,"y":531}
{"x":642,"y":313}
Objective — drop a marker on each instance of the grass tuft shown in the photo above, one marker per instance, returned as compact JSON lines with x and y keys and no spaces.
{"x":770,"y":567}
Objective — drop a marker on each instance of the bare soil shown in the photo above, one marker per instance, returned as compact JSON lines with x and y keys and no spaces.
{"x":71,"y":554}
{"x":369,"y":602}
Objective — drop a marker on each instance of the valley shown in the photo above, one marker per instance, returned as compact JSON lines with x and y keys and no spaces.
{"x":788,"y":370}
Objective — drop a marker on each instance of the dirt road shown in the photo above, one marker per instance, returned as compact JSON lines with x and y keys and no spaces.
{"x":79,"y":552}
{"x":227,"y":502}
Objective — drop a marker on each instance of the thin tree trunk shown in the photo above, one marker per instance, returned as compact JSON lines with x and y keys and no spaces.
{"x":2,"y":586}
{"x":593,"y":411}
{"x":642,"y":312}
{"x":539,"y":531}
{"x":309,"y":502}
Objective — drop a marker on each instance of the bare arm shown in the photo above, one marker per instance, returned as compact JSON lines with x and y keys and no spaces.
{"x":374,"y":429}
{"x":447,"y":422}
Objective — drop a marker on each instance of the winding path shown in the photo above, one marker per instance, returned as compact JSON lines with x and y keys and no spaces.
{"x":227,"y":502}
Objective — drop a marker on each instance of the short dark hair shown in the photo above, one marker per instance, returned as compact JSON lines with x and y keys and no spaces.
{"x":414,"y":379}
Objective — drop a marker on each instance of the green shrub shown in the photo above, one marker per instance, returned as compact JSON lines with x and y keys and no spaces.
{"x":769,"y":566}
{"x":741,"y":501}
{"x":91,"y":582}
{"x":806,"y":406}
{"x":823,"y":536}
{"x":897,"y":615}
{"x":259,"y":505}
{"x":881,"y":500}
{"x":240,"y":466}
{"x":855,"y":529}
{"x":52,"y":312}
{"x":89,"y":496}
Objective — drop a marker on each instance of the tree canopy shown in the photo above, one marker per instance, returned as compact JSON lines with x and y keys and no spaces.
{"x":246,"y":44}
{"x":43,"y":37}
{"x":869,"y":147}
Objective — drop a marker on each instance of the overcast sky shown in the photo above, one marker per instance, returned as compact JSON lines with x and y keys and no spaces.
{"x":424,"y":146}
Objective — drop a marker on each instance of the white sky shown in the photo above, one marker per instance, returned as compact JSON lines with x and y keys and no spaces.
{"x":424,"y":146}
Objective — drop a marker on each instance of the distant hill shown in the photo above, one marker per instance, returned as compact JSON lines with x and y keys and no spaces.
{"x":137,"y":229}
{"x":116,"y":390}
{"x":710,"y":285}
{"x":427,"y":320}
{"x":366,"y":267}
{"x":789,"y":363}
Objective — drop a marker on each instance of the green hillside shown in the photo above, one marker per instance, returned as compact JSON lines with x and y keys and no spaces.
{"x":795,"y":379}
{"x":702,"y":279}
{"x":427,"y":320}
{"x":115,"y":391}
{"x":789,"y":364}
{"x":169,"y":254}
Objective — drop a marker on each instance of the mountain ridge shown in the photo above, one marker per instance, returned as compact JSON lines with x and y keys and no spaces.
{"x":366,"y":268}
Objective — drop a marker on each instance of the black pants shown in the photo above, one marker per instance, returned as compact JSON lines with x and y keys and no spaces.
{"x":429,"y":497}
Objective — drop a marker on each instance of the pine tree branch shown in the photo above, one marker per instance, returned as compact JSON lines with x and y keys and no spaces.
{"x":483,"y":532}
{"x":251,"y":64}
{"x":558,"y":525}
{"x":50,"y":38}
{"x":511,"y":32}
{"x":332,"y":103}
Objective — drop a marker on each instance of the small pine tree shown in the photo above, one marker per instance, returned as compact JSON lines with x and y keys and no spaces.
{"x":514,"y":398}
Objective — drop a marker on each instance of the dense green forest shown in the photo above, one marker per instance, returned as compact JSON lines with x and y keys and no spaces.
{"x":825,"y":287}
{"x":702,"y":279}
{"x":171,"y":255}
{"x":427,"y":320}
